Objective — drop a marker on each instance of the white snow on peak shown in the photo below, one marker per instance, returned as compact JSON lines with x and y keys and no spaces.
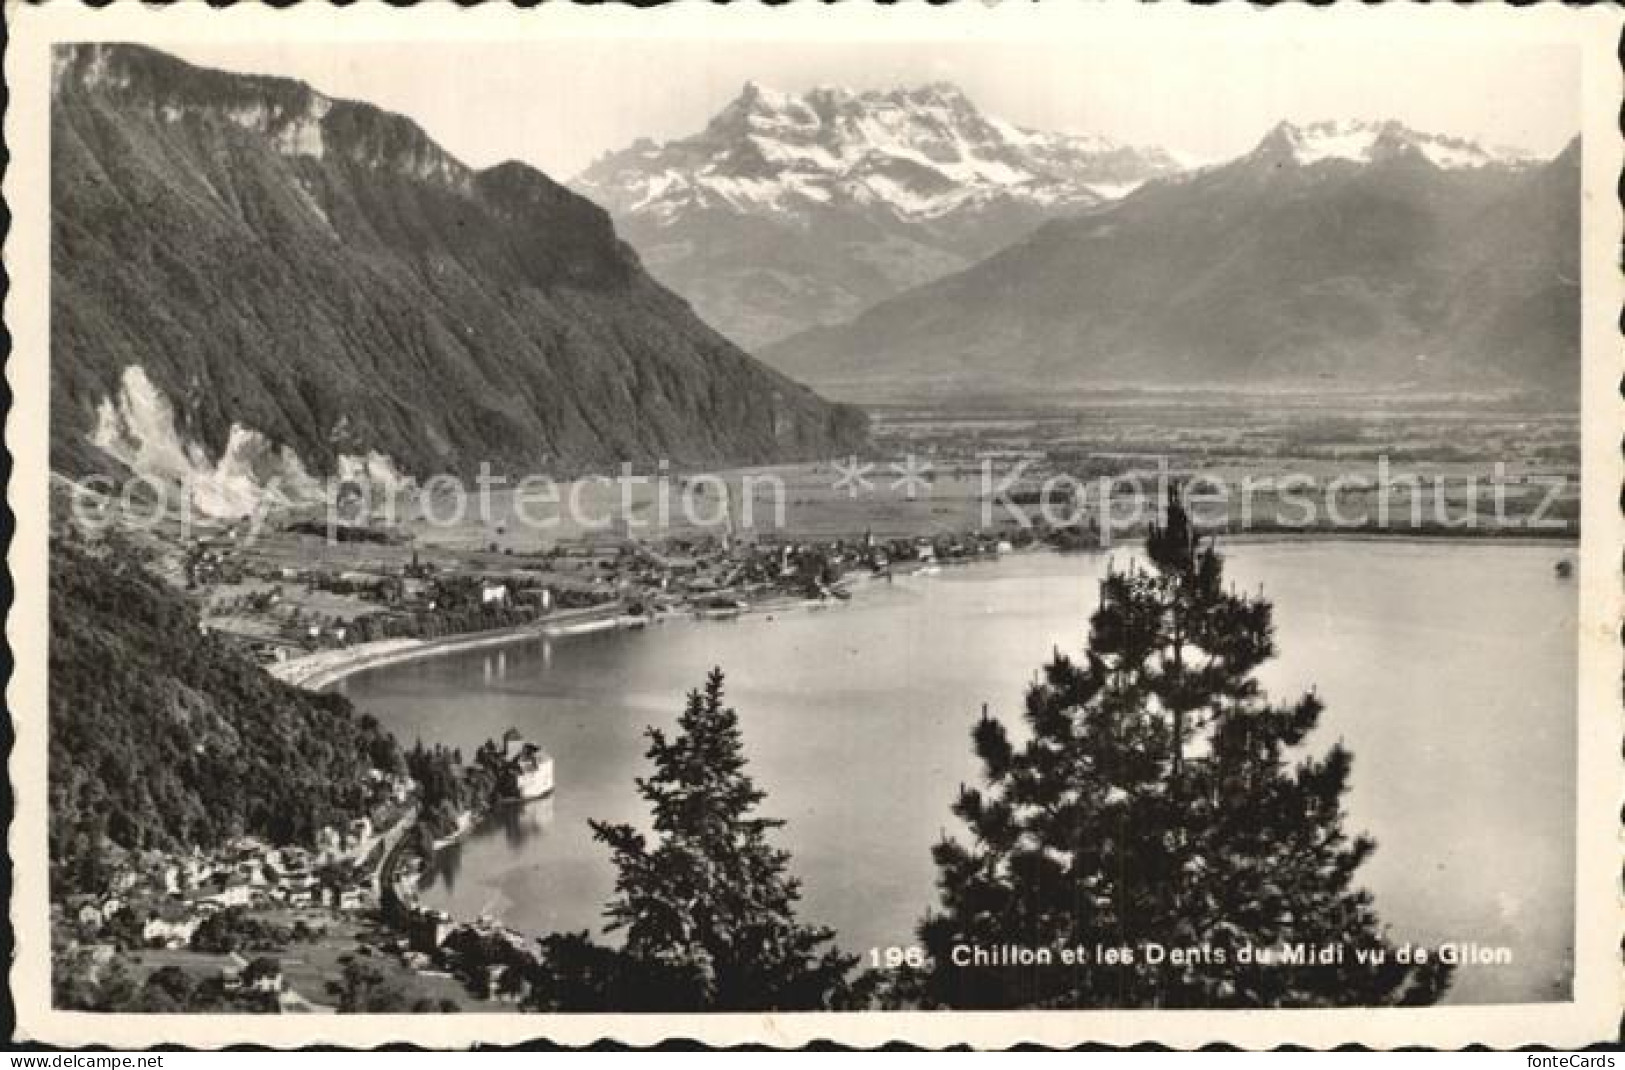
{"x":1334,"y":141}
{"x":1363,"y":142}
{"x":921,"y":152}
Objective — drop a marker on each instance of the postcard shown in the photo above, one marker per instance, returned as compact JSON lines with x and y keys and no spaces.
{"x":967,"y":525}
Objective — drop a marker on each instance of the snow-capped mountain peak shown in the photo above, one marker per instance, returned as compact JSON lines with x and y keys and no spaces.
{"x":793,"y":209}
{"x":1359,"y":141}
{"x":920,"y":151}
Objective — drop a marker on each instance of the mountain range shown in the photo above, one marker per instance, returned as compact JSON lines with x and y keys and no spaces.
{"x":252,"y":280}
{"x":795,"y":210}
{"x":1365,"y":253}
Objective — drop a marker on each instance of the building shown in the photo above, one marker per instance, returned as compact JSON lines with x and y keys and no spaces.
{"x":529,"y":768}
{"x":289,"y":865}
{"x":428,"y":929}
{"x":86,"y":911}
{"x":227,"y":893}
{"x":169,"y":878}
{"x":231,"y":974}
{"x":353,"y":898}
{"x":329,"y":843}
{"x":171,"y":927}
{"x":267,"y":982}
{"x":540,"y":597}
{"x":250,"y":871}
{"x":196,"y":871}
{"x":498,"y":986}
{"x":248,"y":847}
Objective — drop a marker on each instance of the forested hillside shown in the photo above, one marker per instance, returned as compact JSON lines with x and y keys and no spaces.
{"x":162,"y":737}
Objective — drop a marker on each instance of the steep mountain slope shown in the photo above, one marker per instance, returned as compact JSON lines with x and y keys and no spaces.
{"x":1368,"y":254}
{"x":792,"y":210}
{"x":250,"y":279}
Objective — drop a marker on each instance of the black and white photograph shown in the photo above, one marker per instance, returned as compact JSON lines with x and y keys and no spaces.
{"x":835,"y":518}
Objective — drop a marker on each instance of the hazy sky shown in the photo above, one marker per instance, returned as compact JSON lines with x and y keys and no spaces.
{"x":559,"y":104}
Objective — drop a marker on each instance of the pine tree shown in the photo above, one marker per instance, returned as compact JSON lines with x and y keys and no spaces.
{"x":707,"y":907}
{"x":1161,"y":799}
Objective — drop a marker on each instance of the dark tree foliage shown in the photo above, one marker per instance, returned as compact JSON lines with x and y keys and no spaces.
{"x":577,"y":974}
{"x":79,"y":982}
{"x":168,"y":987}
{"x":1160,"y":798}
{"x":164,"y":737}
{"x":449,"y":788}
{"x":707,"y":906}
{"x":236,"y":929}
{"x":364,"y":988}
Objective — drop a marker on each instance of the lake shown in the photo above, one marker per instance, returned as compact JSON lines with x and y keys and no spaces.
{"x":1448,"y":670}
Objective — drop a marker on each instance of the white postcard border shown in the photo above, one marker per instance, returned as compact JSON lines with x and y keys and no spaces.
{"x":1592,"y":1016}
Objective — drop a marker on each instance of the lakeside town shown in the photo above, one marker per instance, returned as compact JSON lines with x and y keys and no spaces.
{"x":380,"y":570}
{"x":255,"y":927}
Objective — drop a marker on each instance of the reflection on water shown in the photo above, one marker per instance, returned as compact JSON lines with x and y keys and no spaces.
{"x":494,"y":667}
{"x":1448,"y":670}
{"x":513,"y":825}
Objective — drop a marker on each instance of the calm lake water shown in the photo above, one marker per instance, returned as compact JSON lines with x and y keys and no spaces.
{"x":1447,"y":669}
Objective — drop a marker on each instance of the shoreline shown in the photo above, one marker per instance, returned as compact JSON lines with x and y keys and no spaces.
{"x":1562,"y":540}
{"x":319,"y":671}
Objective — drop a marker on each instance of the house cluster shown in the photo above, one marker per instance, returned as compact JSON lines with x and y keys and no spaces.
{"x":213,"y":559}
{"x":169,"y":895}
{"x":711,"y":573}
{"x":263,"y":975}
{"x":681,"y":571}
{"x":642,"y":578}
{"x":483,"y":951}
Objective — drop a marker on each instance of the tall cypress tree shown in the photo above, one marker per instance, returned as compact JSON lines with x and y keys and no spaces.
{"x":1159,"y":800}
{"x":708,"y":908}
